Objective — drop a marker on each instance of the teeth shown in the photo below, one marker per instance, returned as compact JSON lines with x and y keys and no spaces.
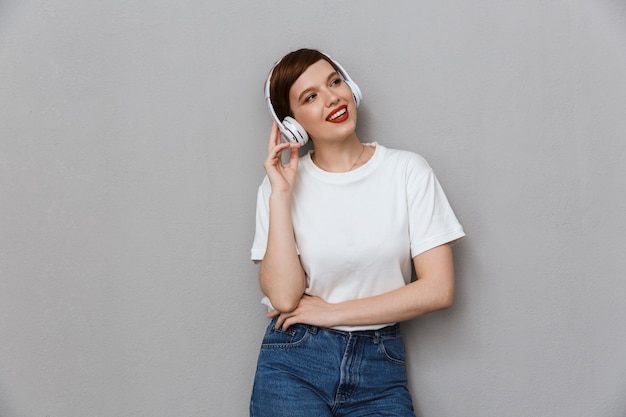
{"x":338,"y":114}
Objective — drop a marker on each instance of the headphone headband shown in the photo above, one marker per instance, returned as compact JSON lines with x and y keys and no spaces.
{"x":291,"y":130}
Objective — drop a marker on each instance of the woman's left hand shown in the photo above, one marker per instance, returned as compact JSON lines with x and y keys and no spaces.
{"x":311,"y":310}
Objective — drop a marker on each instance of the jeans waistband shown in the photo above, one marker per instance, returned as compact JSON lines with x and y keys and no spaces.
{"x":387,"y":331}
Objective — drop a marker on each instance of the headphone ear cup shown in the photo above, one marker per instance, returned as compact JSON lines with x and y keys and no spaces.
{"x":298,"y":134}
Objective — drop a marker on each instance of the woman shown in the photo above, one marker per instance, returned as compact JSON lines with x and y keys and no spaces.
{"x":338,"y":231}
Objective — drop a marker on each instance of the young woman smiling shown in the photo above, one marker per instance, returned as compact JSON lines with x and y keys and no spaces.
{"x":337,"y":234}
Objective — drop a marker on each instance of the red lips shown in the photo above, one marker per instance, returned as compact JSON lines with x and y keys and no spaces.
{"x":340,"y":114}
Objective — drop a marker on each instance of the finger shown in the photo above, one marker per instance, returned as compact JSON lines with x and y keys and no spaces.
{"x":294,"y":157}
{"x":289,"y":321}
{"x":280,"y":321}
{"x":274,"y":137}
{"x":272,"y":314}
{"x":278,"y":149}
{"x":275,"y":154}
{"x":286,"y":323}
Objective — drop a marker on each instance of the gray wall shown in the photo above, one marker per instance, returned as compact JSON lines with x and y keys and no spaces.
{"x":132,"y":140}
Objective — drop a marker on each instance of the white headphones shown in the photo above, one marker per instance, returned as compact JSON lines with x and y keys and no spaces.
{"x":291,"y":130}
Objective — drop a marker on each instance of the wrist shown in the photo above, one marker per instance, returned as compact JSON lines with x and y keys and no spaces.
{"x":340,"y":316}
{"x":280,"y":197}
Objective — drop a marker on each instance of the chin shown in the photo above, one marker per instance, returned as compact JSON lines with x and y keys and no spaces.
{"x":335,"y":133}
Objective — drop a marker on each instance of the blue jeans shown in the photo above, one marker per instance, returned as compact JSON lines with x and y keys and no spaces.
{"x":308,"y":371}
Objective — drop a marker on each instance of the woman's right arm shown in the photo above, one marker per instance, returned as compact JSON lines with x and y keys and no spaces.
{"x":281,"y":275}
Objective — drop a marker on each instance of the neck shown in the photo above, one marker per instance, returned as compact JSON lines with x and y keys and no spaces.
{"x":339,"y":156}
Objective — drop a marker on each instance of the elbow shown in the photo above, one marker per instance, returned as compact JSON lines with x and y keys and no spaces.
{"x":447,"y":299}
{"x":442,"y":297}
{"x":446,"y":302}
{"x":284,"y":292}
{"x":283,"y":300}
{"x":284,"y":304}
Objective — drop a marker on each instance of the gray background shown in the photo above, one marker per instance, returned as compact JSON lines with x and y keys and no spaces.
{"x":132,"y":140}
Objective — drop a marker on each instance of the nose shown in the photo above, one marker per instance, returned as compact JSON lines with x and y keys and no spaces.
{"x":332,"y":98}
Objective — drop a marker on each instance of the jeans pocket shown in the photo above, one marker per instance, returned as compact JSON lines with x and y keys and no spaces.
{"x":279,"y":338}
{"x":393,"y":349}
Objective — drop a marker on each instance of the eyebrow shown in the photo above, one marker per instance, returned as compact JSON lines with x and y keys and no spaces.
{"x":303,"y":93}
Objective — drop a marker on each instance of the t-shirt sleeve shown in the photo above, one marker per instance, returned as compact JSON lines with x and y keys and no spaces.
{"x":259,"y":244}
{"x":432,"y":221}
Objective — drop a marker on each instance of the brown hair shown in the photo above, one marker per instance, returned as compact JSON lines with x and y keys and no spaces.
{"x":286,"y":72}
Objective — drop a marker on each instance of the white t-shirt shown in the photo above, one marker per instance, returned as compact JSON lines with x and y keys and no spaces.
{"x":357,"y":231}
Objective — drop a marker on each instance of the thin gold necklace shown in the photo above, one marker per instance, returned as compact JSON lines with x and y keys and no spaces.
{"x":359,"y":158}
{"x":353,"y":165}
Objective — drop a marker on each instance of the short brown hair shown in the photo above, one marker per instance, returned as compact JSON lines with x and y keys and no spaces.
{"x":286,"y":72}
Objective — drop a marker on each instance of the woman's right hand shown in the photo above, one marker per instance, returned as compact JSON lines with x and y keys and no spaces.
{"x":282,"y":177}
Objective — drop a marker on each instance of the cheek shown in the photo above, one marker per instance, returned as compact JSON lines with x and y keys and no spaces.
{"x":307,"y":116}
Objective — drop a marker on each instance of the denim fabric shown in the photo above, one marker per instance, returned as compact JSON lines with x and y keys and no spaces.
{"x":315,"y":372}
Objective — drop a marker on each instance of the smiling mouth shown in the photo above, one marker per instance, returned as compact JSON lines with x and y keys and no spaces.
{"x":338,"y":115}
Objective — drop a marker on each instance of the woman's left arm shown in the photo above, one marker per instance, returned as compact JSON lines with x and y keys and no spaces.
{"x":433,"y":290}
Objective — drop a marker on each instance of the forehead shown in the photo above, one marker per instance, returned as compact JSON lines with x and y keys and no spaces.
{"x":314,"y":75}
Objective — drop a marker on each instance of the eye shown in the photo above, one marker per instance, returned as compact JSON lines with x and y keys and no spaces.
{"x":309,"y":98}
{"x":336,"y":81}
